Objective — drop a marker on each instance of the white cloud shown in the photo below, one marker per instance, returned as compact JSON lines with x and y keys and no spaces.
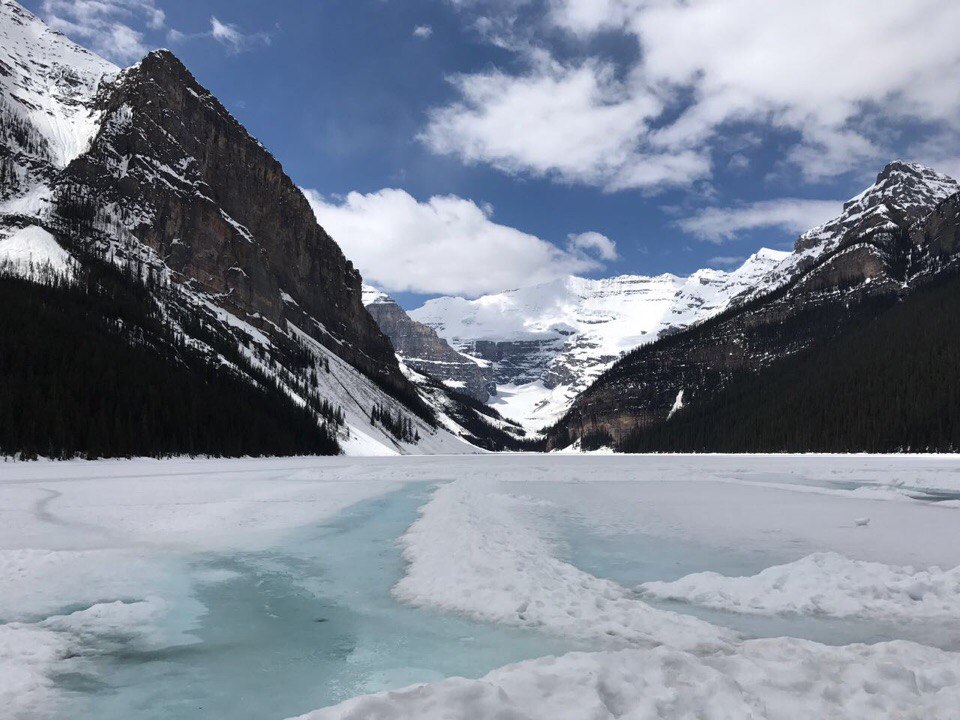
{"x":836,"y":77}
{"x":575,"y":123}
{"x":106,"y":26}
{"x":225,"y":33}
{"x":231,"y":37}
{"x":592,"y":242}
{"x":118,"y":29}
{"x":422,"y":31}
{"x":446,"y":245}
{"x":789,"y":214}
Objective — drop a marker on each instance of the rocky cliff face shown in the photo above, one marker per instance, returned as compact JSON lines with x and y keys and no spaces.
{"x":426,"y":352}
{"x":889,"y":240}
{"x":175,"y":170}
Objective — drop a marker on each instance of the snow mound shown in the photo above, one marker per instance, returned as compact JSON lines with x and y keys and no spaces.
{"x":823,"y":584}
{"x":779,"y":679}
{"x":33,"y":253}
{"x":481,"y":552}
{"x":32,"y":655}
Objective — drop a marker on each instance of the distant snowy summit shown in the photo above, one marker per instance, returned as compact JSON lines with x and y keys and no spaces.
{"x":547,"y":343}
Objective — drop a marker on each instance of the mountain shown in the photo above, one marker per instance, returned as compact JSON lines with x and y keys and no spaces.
{"x":420,"y":348}
{"x":455,"y":385}
{"x":870,"y":267}
{"x":156,"y":221}
{"x":547,"y":343}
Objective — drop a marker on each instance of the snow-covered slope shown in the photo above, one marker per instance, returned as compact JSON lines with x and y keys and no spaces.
{"x":48,"y":85}
{"x":32,"y":252}
{"x":549,"y":341}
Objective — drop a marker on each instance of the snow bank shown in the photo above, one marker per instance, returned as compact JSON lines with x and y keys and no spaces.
{"x":33,"y":654}
{"x":781,"y":679}
{"x":824,"y":583}
{"x":481,"y":552}
{"x":31,"y":252}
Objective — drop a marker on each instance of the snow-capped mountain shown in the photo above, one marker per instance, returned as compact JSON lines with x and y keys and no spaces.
{"x":548,"y":342}
{"x":455,"y":385}
{"x":867,"y":238}
{"x":143,"y":172}
{"x":890,"y":243}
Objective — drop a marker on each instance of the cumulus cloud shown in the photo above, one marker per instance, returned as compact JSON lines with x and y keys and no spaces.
{"x":447,"y":244}
{"x":592,"y":242}
{"x":835,"y":79}
{"x":422,"y":31}
{"x":788,"y":214}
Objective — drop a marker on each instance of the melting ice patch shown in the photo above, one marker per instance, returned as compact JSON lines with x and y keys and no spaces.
{"x":825,"y":583}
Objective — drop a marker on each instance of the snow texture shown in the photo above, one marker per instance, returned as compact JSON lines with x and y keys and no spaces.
{"x":91,"y":558}
{"x":781,"y":679}
{"x":478,"y":551}
{"x":824,"y":584}
{"x":32,"y":252}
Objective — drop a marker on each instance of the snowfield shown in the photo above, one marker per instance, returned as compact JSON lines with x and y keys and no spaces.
{"x":557,"y":586}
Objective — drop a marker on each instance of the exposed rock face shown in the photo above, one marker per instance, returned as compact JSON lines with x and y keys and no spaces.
{"x":888,"y":240}
{"x":426,"y":352}
{"x":174,"y":169}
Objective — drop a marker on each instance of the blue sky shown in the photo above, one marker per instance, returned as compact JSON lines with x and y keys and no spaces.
{"x":470,"y":146}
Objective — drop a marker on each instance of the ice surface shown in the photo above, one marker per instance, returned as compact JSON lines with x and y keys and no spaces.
{"x":478,"y":551}
{"x":262,"y":588}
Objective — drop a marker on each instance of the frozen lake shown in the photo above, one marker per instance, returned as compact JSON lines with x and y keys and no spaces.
{"x":271,"y":588}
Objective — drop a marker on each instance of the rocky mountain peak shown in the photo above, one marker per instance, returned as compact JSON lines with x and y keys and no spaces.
{"x":421,"y":349}
{"x":912,"y":187}
{"x":48,"y":113}
{"x":904,"y":193}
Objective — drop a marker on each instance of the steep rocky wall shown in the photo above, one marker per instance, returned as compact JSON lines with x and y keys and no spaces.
{"x":173,"y":167}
